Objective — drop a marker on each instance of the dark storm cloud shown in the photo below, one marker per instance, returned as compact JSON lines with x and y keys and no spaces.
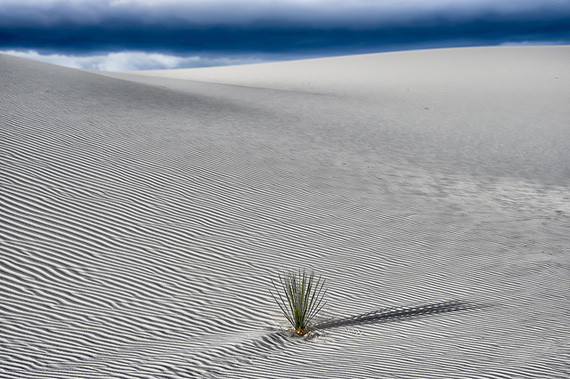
{"x":270,"y":26}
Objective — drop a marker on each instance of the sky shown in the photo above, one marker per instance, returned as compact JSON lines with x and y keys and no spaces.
{"x":116,"y":35}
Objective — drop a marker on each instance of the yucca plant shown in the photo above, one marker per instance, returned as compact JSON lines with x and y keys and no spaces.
{"x":302,"y":298}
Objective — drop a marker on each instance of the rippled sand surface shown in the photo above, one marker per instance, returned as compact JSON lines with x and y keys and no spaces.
{"x":143,"y":215}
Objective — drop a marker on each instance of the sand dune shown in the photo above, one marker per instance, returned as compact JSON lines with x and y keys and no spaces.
{"x":144,"y":214}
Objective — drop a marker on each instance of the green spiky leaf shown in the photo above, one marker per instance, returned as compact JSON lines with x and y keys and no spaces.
{"x":300,"y":298}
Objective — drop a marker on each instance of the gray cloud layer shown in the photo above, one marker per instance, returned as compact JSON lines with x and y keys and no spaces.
{"x":356,"y":14}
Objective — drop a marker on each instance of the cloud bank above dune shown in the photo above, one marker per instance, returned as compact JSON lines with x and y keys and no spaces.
{"x":287,"y":28}
{"x":130,"y":60}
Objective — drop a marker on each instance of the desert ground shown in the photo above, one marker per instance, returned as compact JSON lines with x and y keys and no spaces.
{"x":143,"y":216}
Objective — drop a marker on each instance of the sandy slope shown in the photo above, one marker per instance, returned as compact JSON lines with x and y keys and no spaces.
{"x":142,"y":217}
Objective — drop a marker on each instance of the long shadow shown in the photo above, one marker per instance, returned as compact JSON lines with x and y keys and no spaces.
{"x":400,"y":313}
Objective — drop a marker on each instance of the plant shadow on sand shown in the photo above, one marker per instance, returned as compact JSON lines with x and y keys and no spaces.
{"x":399,"y":314}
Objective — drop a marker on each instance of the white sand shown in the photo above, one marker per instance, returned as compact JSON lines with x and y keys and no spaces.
{"x":143,"y":215}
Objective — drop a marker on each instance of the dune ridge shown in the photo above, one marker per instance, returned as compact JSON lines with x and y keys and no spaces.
{"x":143,"y":215}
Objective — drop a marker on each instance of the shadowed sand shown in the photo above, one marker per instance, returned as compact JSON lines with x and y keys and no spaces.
{"x":399,"y":313}
{"x":143,"y":216}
